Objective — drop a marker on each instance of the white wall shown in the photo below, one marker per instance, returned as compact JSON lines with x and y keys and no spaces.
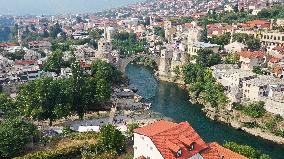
{"x":143,"y":146}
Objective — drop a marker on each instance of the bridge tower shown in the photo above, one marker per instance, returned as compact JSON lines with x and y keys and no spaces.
{"x":165,"y":62}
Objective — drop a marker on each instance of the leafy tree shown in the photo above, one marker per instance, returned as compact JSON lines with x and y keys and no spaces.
{"x":257,"y":70}
{"x":77,"y":90}
{"x":220,"y":40}
{"x":159,"y":31}
{"x":44,"y":99}
{"x":103,"y":70}
{"x":131,"y":127}
{"x":245,"y":150}
{"x":252,"y":42}
{"x":15,"y":134}
{"x":255,"y":110}
{"x":54,"y":62}
{"x":103,"y":91}
{"x":232,"y":58}
{"x":7,"y":105}
{"x":111,"y":139}
{"x":96,"y":33}
{"x":55,"y":30}
{"x":207,"y":58}
{"x":18,"y":55}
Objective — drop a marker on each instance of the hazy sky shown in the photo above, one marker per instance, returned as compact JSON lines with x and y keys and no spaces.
{"x":58,"y":6}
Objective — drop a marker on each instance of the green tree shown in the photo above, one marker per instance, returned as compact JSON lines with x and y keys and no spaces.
{"x":255,"y":109}
{"x":103,"y":91}
{"x":103,"y":70}
{"x":257,"y":70}
{"x":131,"y":127}
{"x":207,"y":58}
{"x":55,"y":30}
{"x":44,"y":99}
{"x":15,"y":134}
{"x":7,"y":106}
{"x":111,"y":139}
{"x":77,"y":90}
{"x":245,"y":150}
{"x":54,"y":62}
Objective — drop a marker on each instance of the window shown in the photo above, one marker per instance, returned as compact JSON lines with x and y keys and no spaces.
{"x":191,"y":147}
{"x":179,"y":153}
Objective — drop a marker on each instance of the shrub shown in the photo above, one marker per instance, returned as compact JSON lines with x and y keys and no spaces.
{"x":245,"y":150}
{"x":255,"y":110}
{"x":66,"y":153}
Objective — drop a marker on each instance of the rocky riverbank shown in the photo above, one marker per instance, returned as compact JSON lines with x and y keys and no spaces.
{"x":229,"y":116}
{"x":238,"y":120}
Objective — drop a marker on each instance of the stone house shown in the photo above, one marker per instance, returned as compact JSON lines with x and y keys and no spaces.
{"x":249,"y":59}
{"x":168,"y":140}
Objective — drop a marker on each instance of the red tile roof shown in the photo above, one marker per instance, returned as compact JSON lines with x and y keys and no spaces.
{"x":274,"y":60}
{"x":216,"y":151}
{"x":258,"y":22}
{"x":249,"y":54}
{"x":170,"y":137}
{"x":278,"y":48}
{"x":24,"y":62}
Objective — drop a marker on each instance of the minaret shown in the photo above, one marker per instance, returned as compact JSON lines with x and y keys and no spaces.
{"x":105,"y":31}
{"x":19,"y":37}
{"x":232,"y":35}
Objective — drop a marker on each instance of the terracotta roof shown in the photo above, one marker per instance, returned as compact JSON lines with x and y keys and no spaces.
{"x":274,"y":59}
{"x":170,"y":137}
{"x":141,"y":157}
{"x":216,"y":151}
{"x":278,"y":48}
{"x":258,"y":22}
{"x":24,"y":62}
{"x":249,"y":54}
{"x":277,"y":70}
{"x":7,"y":44}
{"x":155,"y":128}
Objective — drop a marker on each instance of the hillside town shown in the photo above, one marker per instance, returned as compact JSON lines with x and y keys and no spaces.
{"x":67,"y":75}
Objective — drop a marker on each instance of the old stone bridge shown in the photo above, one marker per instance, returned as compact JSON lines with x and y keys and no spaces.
{"x":125,"y":61}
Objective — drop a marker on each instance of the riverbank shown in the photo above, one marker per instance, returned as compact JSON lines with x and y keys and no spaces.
{"x":232,"y":118}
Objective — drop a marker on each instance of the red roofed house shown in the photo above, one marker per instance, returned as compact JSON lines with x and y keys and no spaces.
{"x":250,"y":59}
{"x":259,"y":23}
{"x":168,"y":140}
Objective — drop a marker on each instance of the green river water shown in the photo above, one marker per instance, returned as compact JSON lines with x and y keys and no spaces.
{"x":170,"y":101}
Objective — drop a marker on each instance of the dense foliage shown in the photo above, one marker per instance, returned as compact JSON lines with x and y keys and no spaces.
{"x":246,"y":151}
{"x":127,"y":44}
{"x":202,"y":85}
{"x":111,"y":138}
{"x":255,"y":109}
{"x":15,"y":134}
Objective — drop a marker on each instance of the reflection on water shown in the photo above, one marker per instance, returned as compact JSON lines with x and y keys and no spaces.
{"x":171,"y":102}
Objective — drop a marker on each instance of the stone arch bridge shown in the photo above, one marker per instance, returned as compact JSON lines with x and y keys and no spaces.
{"x":125,"y":61}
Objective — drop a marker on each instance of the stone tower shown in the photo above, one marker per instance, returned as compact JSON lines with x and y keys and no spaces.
{"x":165,"y":62}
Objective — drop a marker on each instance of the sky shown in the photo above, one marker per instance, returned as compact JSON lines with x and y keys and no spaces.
{"x":39,"y":7}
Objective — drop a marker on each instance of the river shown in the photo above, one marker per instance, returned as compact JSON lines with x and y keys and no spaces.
{"x":171,"y":102}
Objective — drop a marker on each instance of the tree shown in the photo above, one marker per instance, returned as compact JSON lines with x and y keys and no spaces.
{"x":54,"y":62}
{"x":257,"y":70}
{"x":255,"y":110}
{"x":103,"y":91}
{"x":245,"y":150}
{"x":18,"y":55}
{"x":207,"y":58}
{"x":7,"y":106}
{"x":55,"y":30}
{"x":103,"y":70}
{"x":15,"y":134}
{"x":130,"y":128}
{"x":44,"y":99}
{"x":77,"y":91}
{"x":111,"y":139}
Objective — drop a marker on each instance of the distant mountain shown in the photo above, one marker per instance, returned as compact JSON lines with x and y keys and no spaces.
{"x":38,"y":7}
